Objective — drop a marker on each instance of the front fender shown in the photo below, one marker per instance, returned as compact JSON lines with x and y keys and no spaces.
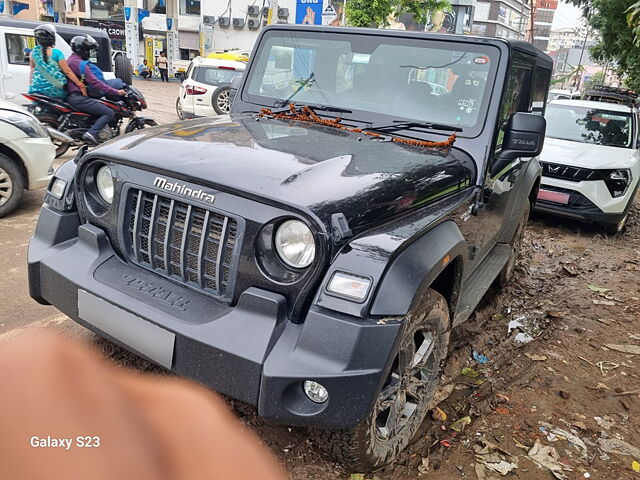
{"x":399,"y":258}
{"x":417,"y":266}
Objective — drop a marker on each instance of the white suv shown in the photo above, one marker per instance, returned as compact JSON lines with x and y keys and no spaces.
{"x":205,"y":90}
{"x":26,"y":155}
{"x":590,"y":161}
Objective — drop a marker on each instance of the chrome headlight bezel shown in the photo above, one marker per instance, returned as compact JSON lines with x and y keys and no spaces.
{"x":294,"y":243}
{"x":105,"y":184}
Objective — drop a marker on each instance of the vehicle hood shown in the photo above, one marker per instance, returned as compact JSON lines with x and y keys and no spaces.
{"x":587,"y":155}
{"x":316,"y":169}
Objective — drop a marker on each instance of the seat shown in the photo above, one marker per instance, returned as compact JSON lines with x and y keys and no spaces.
{"x":415,"y":100}
{"x":466,"y":97}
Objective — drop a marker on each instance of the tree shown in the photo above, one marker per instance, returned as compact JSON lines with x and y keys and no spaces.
{"x":616,"y":42}
{"x":376,"y":13}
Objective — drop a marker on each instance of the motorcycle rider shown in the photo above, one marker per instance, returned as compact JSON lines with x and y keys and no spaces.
{"x":82,"y":45}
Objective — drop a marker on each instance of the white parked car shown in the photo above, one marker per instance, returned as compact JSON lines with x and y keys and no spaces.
{"x":205,"y":90}
{"x":26,"y":155}
{"x":590,"y":161}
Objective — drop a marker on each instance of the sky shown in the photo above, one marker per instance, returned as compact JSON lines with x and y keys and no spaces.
{"x":566,"y":16}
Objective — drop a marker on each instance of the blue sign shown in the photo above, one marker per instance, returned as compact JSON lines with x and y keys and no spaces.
{"x":309,"y":12}
{"x":169,"y":24}
{"x":19,"y":6}
{"x":2,"y":6}
{"x":56,"y":17}
{"x":127,"y":13}
{"x":142,"y":14}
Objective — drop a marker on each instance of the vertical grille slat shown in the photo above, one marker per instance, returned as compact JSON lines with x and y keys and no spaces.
{"x":136,"y":226}
{"x":201,"y":250}
{"x":220,"y":257}
{"x":189,"y":244}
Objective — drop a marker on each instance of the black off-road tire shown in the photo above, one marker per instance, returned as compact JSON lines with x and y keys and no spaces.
{"x":516,"y":245}
{"x":365,"y":448}
{"x":122,"y":69}
{"x":50,"y":120}
{"x":11,"y":185}
{"x":221,"y":100}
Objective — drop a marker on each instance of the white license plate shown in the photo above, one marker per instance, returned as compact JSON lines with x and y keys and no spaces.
{"x":555,"y":197}
{"x":150,"y":340}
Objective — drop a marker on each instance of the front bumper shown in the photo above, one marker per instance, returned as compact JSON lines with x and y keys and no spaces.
{"x":37,"y":155}
{"x":589,"y":201}
{"x":251,"y":352}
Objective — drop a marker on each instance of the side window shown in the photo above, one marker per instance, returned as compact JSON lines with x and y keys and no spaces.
{"x":541,"y":78}
{"x":516,"y":99}
{"x":18,"y":48}
{"x":188,"y":72}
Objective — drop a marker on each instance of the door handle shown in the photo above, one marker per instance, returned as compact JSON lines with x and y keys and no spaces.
{"x":7,"y":75}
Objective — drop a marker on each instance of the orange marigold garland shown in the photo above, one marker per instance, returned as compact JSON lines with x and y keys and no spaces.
{"x":306,"y":114}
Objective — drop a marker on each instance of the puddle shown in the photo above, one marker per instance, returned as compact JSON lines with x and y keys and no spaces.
{"x":528,"y":329}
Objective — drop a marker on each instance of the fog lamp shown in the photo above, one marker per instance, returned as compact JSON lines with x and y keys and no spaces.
{"x":316,"y":392}
{"x":348,"y":285}
{"x":57,"y":187}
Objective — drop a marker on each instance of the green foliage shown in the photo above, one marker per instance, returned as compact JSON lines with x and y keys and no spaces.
{"x":376,"y":13}
{"x":617,"y":39}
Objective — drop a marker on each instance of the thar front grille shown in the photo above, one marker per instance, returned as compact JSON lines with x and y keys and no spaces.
{"x":180,"y":241}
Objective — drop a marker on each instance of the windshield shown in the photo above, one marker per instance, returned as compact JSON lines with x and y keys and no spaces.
{"x":214,"y":75}
{"x":589,"y":125}
{"x":405,"y":78}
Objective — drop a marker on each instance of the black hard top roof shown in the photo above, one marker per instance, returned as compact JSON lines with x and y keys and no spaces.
{"x":520,"y":45}
{"x":63,"y":29}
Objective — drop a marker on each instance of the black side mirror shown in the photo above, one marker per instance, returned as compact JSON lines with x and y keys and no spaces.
{"x":523,"y":137}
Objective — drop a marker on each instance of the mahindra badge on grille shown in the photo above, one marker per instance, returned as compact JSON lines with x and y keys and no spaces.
{"x":182,"y":189}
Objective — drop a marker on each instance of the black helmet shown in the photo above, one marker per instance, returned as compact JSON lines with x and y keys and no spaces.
{"x":83,"y":44}
{"x":45,"y":35}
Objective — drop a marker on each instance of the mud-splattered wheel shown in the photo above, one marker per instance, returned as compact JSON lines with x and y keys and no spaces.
{"x":404,"y":400}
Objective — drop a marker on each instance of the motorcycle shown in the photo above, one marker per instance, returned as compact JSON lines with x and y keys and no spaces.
{"x":63,"y":117}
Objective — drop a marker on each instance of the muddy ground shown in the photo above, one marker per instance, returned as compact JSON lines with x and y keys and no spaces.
{"x":550,"y":380}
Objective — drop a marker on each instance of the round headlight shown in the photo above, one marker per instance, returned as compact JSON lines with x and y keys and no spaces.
{"x":294,"y":244}
{"x":104,"y":184}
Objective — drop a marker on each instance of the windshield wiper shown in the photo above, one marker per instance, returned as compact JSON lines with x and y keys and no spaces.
{"x":402,"y":124}
{"x":322,"y":108}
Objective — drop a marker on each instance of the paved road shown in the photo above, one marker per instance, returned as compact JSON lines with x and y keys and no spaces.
{"x":17,"y":309}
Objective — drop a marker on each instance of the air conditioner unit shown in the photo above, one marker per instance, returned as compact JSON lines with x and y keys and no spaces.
{"x":208,"y":20}
{"x":224,"y":21}
{"x":238,"y":22}
{"x":253,"y":23}
{"x":283,"y":13}
{"x":253,"y":10}
{"x":282,"y":21}
{"x":265,"y":11}
{"x":265,"y":22}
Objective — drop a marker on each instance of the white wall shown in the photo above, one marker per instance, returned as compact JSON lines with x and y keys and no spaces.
{"x":228,"y":38}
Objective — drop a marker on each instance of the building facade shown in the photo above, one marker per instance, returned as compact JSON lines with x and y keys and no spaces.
{"x":501,"y":18}
{"x":543,"y":13}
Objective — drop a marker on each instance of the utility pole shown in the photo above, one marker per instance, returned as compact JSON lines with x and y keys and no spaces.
{"x":531,"y":15}
{"x":576,"y":81}
{"x":131,"y":34}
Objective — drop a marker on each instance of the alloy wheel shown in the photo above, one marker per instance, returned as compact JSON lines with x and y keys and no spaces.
{"x":6,"y":187}
{"x":223,"y":101}
{"x":406,"y":386}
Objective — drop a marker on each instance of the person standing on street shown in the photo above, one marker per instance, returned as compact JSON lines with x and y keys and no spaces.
{"x":163,"y":66}
{"x":82,"y":45}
